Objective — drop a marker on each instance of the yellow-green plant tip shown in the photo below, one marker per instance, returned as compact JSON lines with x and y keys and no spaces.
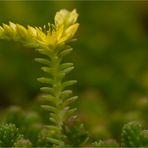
{"x":34,"y":36}
{"x":66,"y":18}
{"x":70,"y":32}
{"x":32,"y":31}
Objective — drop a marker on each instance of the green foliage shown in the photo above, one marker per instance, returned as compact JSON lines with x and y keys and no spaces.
{"x":76,"y":133}
{"x":133,"y":135}
{"x":29,"y":123}
{"x":9,"y":134}
{"x":53,"y":41}
{"x":56,"y":94}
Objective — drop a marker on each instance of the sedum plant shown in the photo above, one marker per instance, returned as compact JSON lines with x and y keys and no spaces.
{"x":52,"y":41}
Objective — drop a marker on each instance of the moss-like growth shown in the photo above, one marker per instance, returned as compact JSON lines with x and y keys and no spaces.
{"x":133,"y":135}
{"x":9,"y":134}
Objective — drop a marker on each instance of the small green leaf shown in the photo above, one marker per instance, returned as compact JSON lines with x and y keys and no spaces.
{"x":66,"y":65}
{"x":67,"y":70}
{"x":43,"y":61}
{"x":71,"y":111}
{"x":65,"y":52}
{"x":66,"y":93}
{"x":50,"y":98}
{"x":49,"y":108}
{"x":47,"y":89}
{"x":53,"y":120}
{"x":69,"y":83}
{"x":70,"y":100}
{"x":47,"y":69}
{"x":45,"y":80}
{"x":45,"y":52}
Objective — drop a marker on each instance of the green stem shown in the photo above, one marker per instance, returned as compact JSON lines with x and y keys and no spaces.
{"x":57,"y":91}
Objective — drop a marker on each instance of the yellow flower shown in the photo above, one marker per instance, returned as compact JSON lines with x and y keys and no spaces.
{"x":32,"y":31}
{"x":66,"y":18}
{"x":21,"y":33}
{"x":64,"y":29}
{"x":66,"y":21}
{"x":69,"y":33}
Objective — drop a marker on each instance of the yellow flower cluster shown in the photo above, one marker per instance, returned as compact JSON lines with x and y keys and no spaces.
{"x":62,"y":31}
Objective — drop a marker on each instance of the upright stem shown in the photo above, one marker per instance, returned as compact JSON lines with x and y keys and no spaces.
{"x":57,"y":91}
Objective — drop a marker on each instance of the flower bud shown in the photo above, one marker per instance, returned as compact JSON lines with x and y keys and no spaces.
{"x":22,"y":31}
{"x":70,"y":32}
{"x":66,"y":18}
{"x":32,"y":31}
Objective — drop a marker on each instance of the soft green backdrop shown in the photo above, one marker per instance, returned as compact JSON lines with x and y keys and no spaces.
{"x":111,"y":59}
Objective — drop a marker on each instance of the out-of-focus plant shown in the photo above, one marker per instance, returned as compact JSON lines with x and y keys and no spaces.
{"x":10,"y":136}
{"x":133,"y":136}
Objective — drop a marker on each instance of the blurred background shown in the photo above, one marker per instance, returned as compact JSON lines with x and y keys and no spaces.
{"x":110,"y":56}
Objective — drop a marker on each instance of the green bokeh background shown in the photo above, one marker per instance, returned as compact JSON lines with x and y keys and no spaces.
{"x":110,"y":56}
